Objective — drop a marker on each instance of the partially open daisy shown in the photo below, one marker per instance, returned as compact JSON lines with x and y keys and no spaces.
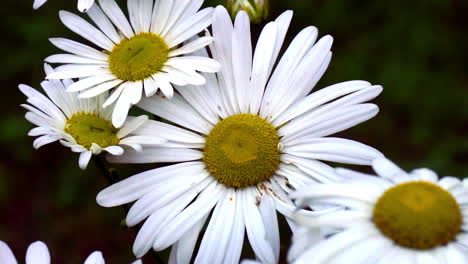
{"x":38,"y":253}
{"x":144,"y":54}
{"x":80,"y":124}
{"x":241,"y":144}
{"x":83,"y":5}
{"x":398,"y":217}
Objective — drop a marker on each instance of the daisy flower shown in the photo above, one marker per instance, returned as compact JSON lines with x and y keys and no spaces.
{"x":83,"y":5}
{"x":38,"y":253}
{"x":241,"y":143}
{"x":397,"y":217}
{"x":80,"y":124}
{"x":142,"y":55}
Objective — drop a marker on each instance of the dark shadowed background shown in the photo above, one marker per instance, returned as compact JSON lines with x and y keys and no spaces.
{"x":415,"y":49}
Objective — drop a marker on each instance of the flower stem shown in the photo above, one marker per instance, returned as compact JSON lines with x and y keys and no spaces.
{"x":113,"y":177}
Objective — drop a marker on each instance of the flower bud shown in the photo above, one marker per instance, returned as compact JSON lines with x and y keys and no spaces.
{"x":257,"y":10}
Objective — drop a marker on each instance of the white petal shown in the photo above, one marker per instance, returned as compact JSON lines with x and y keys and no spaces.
{"x":189,"y":216}
{"x":364,"y":251}
{"x":291,"y":58}
{"x":164,"y":84}
{"x":456,"y":254}
{"x":186,"y":244}
{"x":425,"y":175}
{"x":178,"y":111}
{"x":325,"y":250}
{"x":89,"y":82}
{"x":387,"y":169}
{"x":449,"y":183}
{"x":190,"y":27}
{"x":213,"y":247}
{"x":300,"y":80}
{"x":320,"y":98}
{"x":195,"y":63}
{"x":37,"y":253}
{"x":116,"y":15}
{"x":86,"y":30}
{"x":38,"y":3}
{"x":78,"y":49}
{"x":326,"y":124}
{"x":138,"y":185}
{"x":85,"y":157}
{"x":170,"y":132}
{"x":242,"y":60}
{"x":115,"y":95}
{"x":165,"y":192}
{"x":77,"y":71}
{"x":159,"y":220}
{"x":132,"y":125}
{"x":115,"y":150}
{"x":69,"y":58}
{"x":100,"y":89}
{"x":84,"y":5}
{"x":157,"y":154}
{"x":335,"y":150}
{"x":161,"y":13}
{"x":261,"y":65}
{"x":192,"y":46}
{"x":104,"y":24}
{"x":255,"y":228}
{"x":367,"y":192}
{"x":44,"y":140}
{"x":236,"y":240}
{"x":122,"y":107}
{"x":315,"y":169}
{"x":6,"y":256}
{"x":95,"y":258}
{"x":150,"y":86}
{"x":270,"y":220}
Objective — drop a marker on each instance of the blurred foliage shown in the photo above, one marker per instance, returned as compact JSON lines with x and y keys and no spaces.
{"x":415,"y":49}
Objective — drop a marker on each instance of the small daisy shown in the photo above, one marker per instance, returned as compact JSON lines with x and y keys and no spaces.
{"x":397,"y":217}
{"x":241,"y":144}
{"x":83,"y":5}
{"x":80,"y":124}
{"x":38,"y":253}
{"x":143,"y":55}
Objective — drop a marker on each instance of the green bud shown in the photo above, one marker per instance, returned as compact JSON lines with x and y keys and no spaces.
{"x":258,"y":10}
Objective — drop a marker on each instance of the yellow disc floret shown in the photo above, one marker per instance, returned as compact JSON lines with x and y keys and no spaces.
{"x":242,"y":150}
{"x":89,"y":128}
{"x":418,"y":215}
{"x":139,"y":57}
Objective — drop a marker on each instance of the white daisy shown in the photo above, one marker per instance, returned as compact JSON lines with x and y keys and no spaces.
{"x":143,"y":54}
{"x":399,"y":217}
{"x":80,"y":124}
{"x":243,"y":142}
{"x":83,"y":5}
{"x":38,"y":253}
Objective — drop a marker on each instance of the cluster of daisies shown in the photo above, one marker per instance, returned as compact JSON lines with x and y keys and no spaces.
{"x":236,"y":136}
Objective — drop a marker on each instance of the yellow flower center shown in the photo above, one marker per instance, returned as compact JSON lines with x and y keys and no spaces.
{"x":89,"y":128}
{"x":242,"y":150}
{"x":418,"y":215}
{"x":139,"y":57}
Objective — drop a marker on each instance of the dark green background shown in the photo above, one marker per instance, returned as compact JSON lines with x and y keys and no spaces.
{"x":415,"y":49}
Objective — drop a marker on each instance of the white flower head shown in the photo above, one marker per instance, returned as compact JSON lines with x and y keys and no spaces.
{"x":38,"y":253}
{"x":83,"y":5}
{"x":80,"y":124}
{"x":136,"y":57}
{"x":242,"y":142}
{"x":395,"y":217}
